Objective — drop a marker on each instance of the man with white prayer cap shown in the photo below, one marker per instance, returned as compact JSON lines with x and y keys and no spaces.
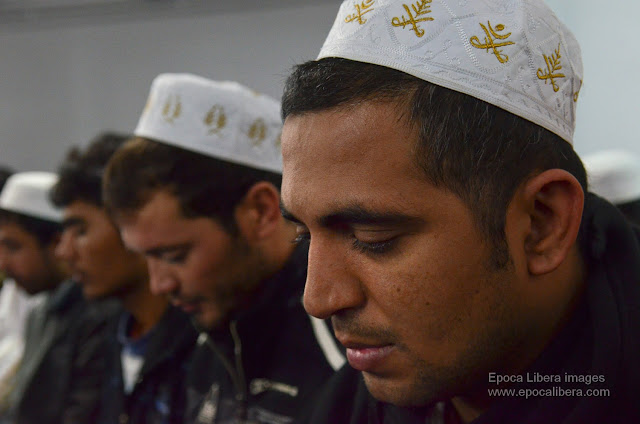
{"x":59,"y":377}
{"x":197,"y":192}
{"x":428,"y":163}
{"x":15,"y":305}
{"x":615,"y":176}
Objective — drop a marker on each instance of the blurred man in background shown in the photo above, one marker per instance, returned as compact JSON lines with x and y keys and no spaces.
{"x":62,"y":368}
{"x":15,"y":305}
{"x":149,"y":341}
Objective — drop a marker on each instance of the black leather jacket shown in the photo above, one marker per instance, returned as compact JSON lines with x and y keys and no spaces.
{"x":268,"y":363}
{"x":62,"y":368}
{"x":158,"y":396}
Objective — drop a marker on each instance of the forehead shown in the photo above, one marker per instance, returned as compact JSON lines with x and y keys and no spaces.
{"x":162,"y":210}
{"x":361,"y":154}
{"x":160,"y":222}
{"x":84,"y":210}
{"x":10,"y":230}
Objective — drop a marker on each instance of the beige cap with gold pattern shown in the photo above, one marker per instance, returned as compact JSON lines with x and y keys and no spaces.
{"x":224,"y":120}
{"x":514,"y":54}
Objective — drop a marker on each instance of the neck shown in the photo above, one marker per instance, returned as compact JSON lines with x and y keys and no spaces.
{"x":145,"y":308}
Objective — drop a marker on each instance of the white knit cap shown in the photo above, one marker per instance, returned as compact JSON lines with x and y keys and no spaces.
{"x":514,"y":54}
{"x":614,"y":175}
{"x":27,"y":193}
{"x":224,"y":120}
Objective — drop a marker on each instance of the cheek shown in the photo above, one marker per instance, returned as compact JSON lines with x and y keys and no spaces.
{"x":195,"y":274}
{"x":430,"y":295}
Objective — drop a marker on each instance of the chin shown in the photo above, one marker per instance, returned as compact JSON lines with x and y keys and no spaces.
{"x":91,"y":293}
{"x":207,"y":320}
{"x":398,"y":392}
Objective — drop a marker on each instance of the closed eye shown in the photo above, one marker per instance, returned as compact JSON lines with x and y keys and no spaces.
{"x":175,"y":258}
{"x":378,"y":248}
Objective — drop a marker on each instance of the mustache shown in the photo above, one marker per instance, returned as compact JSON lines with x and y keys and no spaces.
{"x":350,"y":325}
{"x":177,"y":297}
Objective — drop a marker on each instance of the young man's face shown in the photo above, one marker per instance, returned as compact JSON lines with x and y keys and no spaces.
{"x":396,"y":262}
{"x":202,"y":268}
{"x":98,"y":259}
{"x":24,"y":259}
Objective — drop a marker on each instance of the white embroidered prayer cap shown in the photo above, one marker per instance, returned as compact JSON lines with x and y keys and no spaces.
{"x":514,"y":54}
{"x":614,"y":175}
{"x":27,"y":193}
{"x":224,"y":120}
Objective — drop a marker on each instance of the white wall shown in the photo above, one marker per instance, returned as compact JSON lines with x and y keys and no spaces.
{"x":60,"y":85}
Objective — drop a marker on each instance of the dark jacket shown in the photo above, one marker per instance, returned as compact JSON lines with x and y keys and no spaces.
{"x":159,"y":393}
{"x":602,"y":338}
{"x":62,"y":368}
{"x":268,"y":364}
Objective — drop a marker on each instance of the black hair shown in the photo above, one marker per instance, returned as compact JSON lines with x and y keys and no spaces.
{"x":204,"y":186}
{"x":80,"y":174}
{"x":5,"y":173}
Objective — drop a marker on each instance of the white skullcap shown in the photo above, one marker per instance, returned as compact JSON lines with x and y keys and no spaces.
{"x":27,"y":193}
{"x":224,"y":120}
{"x":514,"y":54}
{"x":614,"y":175}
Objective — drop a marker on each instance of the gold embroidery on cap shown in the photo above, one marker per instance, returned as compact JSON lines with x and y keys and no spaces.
{"x":361,"y":9}
{"x":420,"y":8}
{"x":577,"y":93}
{"x":215,"y":119}
{"x":258,"y":131}
{"x":491,"y":35}
{"x":172,"y":109}
{"x":553,"y":65}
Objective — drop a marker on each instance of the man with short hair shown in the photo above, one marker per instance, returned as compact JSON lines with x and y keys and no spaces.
{"x":15,"y":305}
{"x":62,"y":367}
{"x":427,"y":159}
{"x":197,"y":191}
{"x":149,"y":342}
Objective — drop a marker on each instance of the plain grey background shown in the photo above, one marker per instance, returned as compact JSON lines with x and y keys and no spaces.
{"x":66,"y":73}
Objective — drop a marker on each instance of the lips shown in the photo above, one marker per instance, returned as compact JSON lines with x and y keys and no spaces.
{"x":368,"y":357}
{"x":188,"y":307}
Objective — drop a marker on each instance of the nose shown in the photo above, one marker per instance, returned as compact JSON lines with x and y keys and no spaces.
{"x":161,"y":278}
{"x":65,"y":249}
{"x":331,"y":285}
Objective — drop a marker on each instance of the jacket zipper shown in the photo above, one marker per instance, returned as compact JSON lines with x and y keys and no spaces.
{"x":236,"y":373}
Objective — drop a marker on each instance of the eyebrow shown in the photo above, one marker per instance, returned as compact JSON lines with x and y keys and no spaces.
{"x":8,"y":242}
{"x":161,"y":250}
{"x":288,"y":215}
{"x":357,"y":214}
{"x":71,"y":222}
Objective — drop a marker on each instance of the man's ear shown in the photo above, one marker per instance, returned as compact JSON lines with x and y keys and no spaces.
{"x":258,"y":214}
{"x":553,"y":201}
